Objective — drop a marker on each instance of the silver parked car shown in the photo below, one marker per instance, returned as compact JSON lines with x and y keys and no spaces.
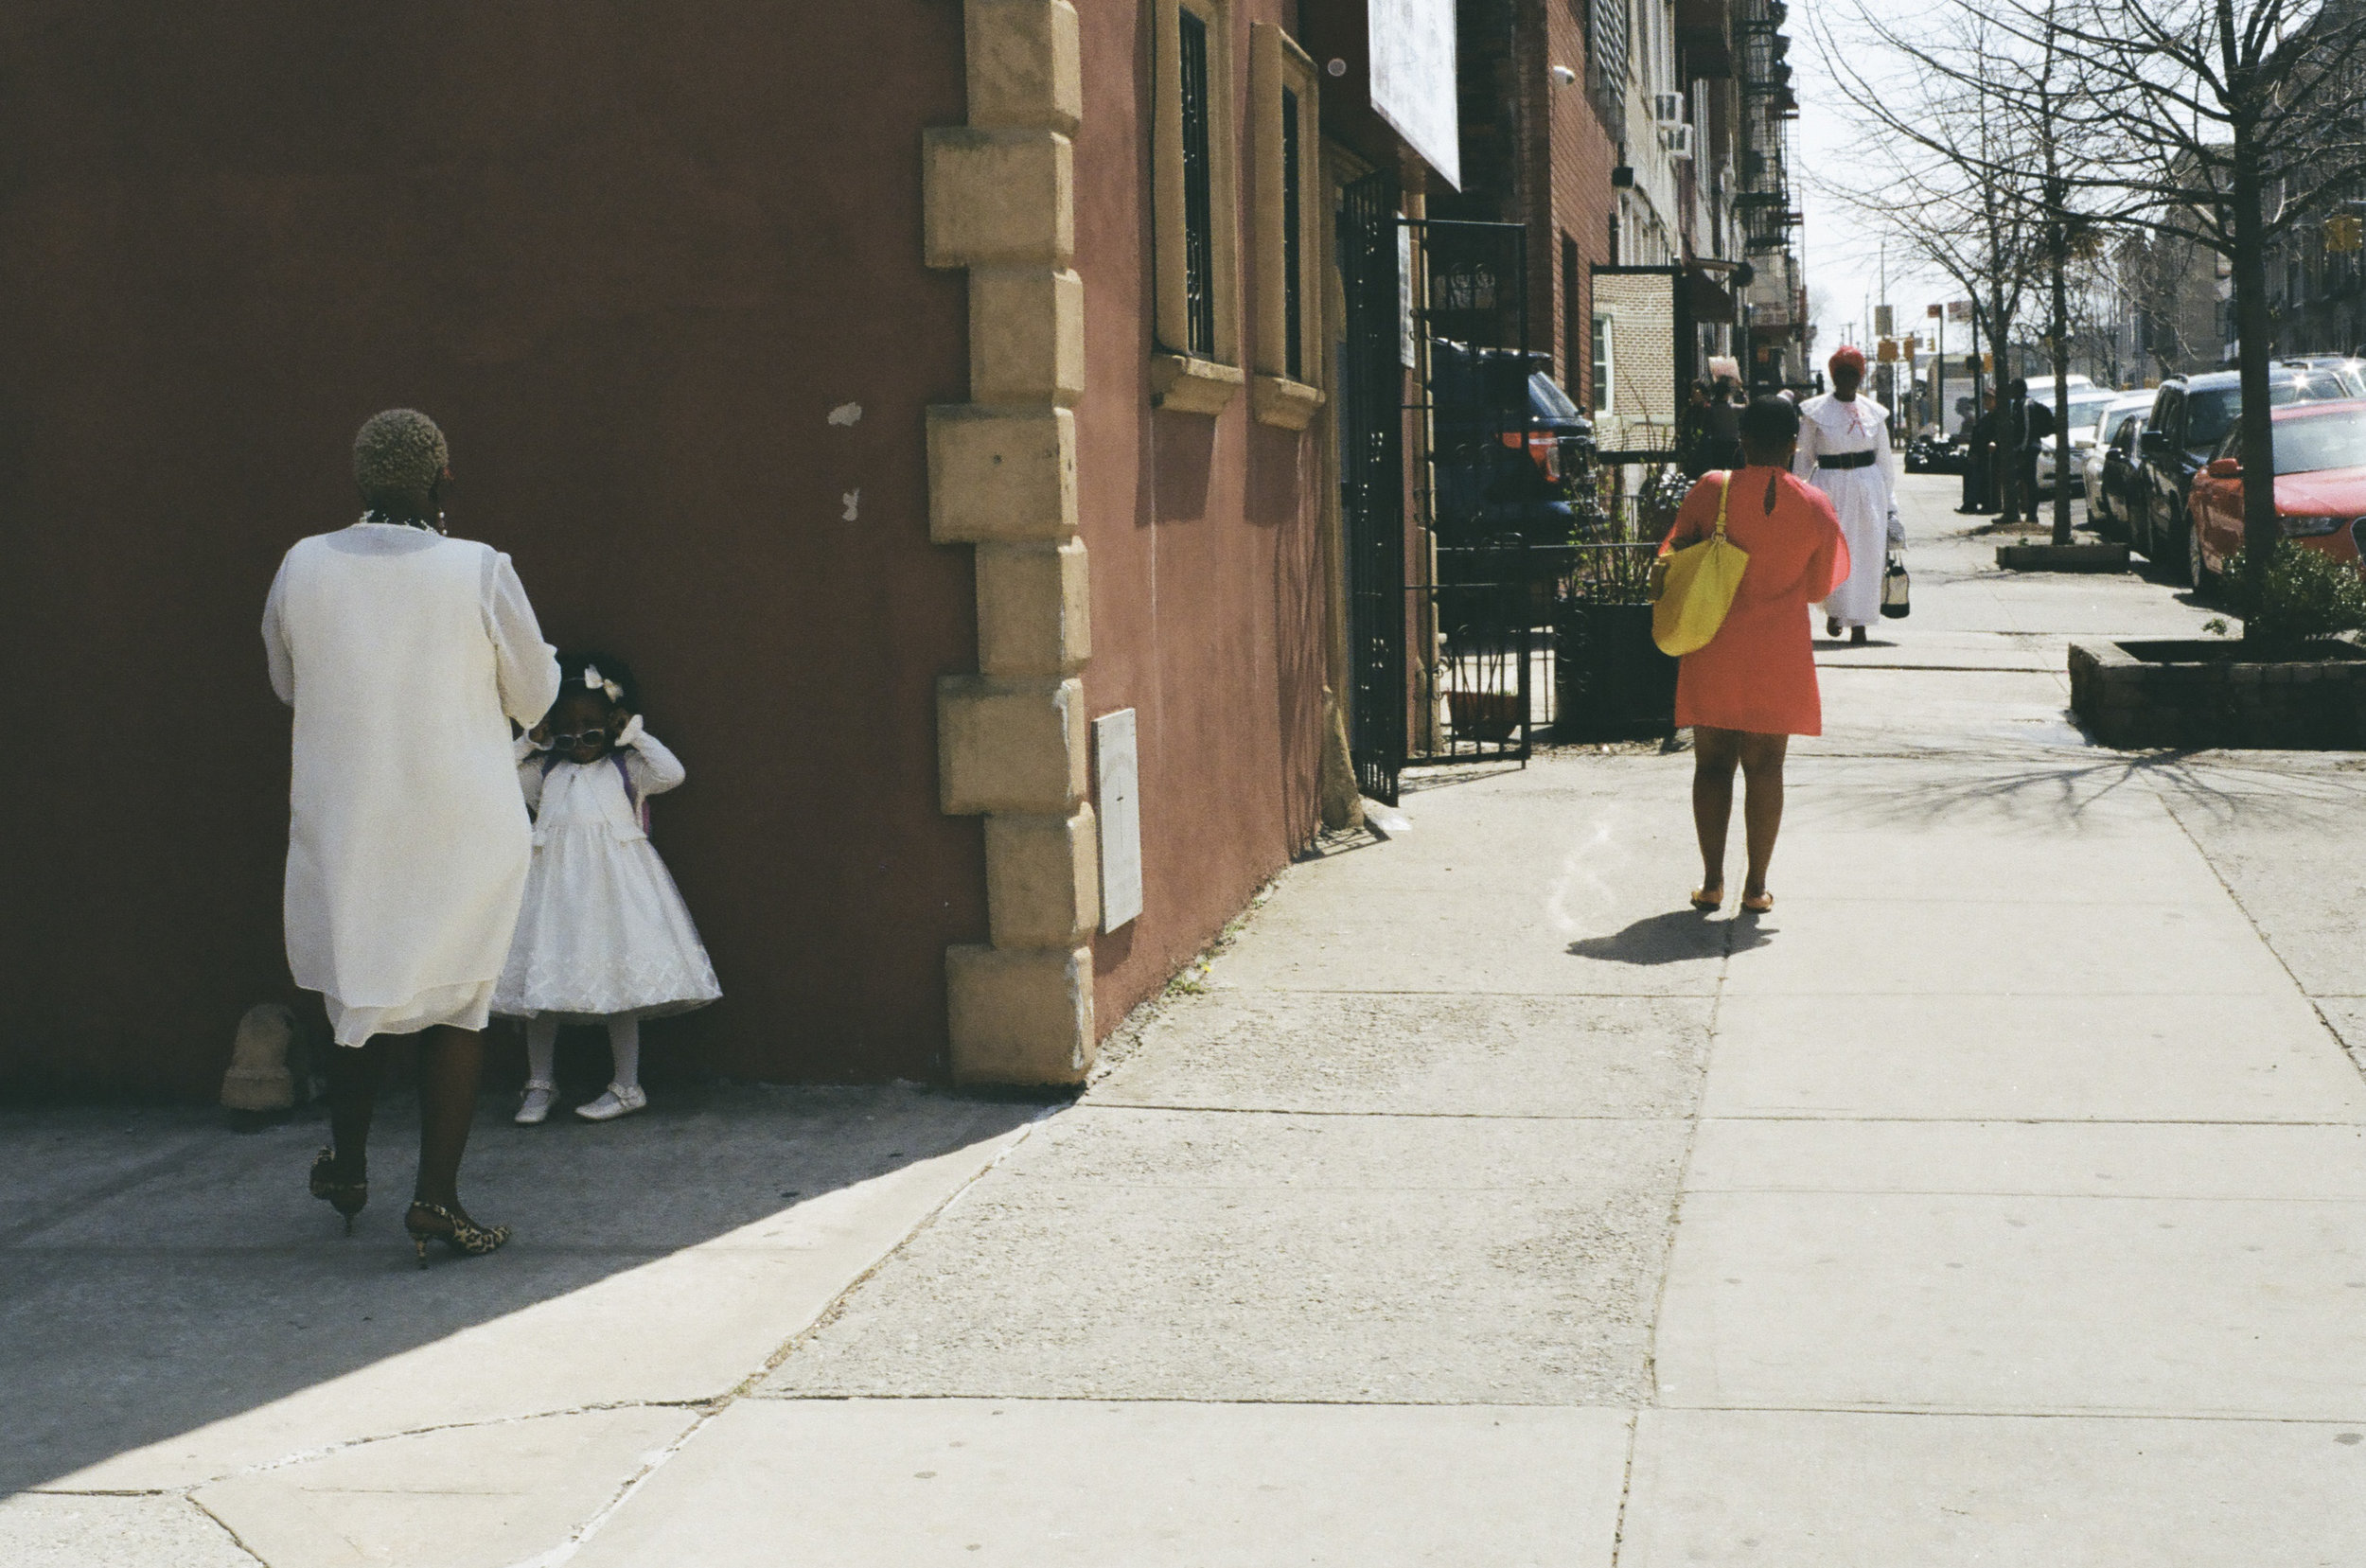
{"x":2107,"y":483}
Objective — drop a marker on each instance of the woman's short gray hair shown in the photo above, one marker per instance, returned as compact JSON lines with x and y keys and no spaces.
{"x":399,"y":453}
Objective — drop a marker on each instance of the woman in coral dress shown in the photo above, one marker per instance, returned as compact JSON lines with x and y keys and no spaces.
{"x":1753,"y":687}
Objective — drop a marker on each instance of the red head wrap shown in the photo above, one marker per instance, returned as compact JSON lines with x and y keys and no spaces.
{"x":1852,"y":358}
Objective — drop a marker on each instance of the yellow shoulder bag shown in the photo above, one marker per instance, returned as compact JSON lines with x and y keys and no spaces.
{"x":1694,"y":587}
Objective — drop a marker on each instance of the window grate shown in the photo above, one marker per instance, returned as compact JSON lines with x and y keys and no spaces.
{"x":1199,"y":293}
{"x":1293,"y":301}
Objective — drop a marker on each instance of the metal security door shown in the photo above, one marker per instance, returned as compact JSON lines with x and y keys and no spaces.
{"x":1491,"y":502}
{"x":1372,"y":484}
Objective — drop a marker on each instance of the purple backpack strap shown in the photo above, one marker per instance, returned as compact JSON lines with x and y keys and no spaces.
{"x":639,"y":806}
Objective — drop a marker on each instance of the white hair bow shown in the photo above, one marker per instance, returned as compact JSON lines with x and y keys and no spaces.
{"x":592,"y":681}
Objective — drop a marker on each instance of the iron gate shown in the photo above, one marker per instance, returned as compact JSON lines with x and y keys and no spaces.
{"x":1371,"y":482}
{"x":1435,"y":364}
{"x":1489,"y":499}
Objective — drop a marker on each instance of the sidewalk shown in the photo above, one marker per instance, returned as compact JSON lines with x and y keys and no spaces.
{"x":2000,"y":1199}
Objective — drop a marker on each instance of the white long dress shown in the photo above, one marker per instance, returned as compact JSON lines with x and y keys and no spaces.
{"x":603,"y":930}
{"x":405,"y":656}
{"x":1867,"y":497}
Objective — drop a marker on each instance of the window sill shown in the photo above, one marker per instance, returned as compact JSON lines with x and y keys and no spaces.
{"x":1190,"y":386}
{"x":1279,"y":400}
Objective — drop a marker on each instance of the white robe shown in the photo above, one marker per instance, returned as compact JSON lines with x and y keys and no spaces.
{"x":1866,"y":498}
{"x":405,"y":655}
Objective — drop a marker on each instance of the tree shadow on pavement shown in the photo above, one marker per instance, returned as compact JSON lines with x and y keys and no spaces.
{"x":2062,"y":789}
{"x":1678,"y":936}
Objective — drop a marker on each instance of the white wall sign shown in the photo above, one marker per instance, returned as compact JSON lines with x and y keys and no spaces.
{"x":1117,"y":769}
{"x":1413,"y":85}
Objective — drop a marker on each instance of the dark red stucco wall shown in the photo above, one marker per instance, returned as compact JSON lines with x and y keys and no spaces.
{"x":1207,"y":578}
{"x":630,"y":257}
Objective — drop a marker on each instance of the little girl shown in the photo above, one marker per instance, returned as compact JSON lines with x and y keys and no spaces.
{"x":603,"y":936}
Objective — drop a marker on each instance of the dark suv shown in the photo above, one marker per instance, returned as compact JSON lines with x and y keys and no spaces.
{"x":2190,"y":414}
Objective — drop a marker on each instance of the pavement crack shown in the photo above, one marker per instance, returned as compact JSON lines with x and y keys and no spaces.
{"x":2355,"y":1060}
{"x":224,"y":1526}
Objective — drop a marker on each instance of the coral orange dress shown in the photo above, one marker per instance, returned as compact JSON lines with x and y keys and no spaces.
{"x":1758,"y":673}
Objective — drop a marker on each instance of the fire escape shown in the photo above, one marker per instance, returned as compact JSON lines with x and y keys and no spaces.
{"x":1778,"y":298}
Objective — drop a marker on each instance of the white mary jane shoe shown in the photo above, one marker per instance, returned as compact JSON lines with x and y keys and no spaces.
{"x":615,"y":1102}
{"x":535,"y":1105}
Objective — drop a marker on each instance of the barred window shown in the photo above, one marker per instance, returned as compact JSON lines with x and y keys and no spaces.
{"x":1293,"y":263}
{"x":1195,"y":208}
{"x":1606,"y":61}
{"x":1199,"y":243}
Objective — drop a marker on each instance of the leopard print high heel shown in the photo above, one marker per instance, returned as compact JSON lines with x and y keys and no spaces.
{"x":347,"y":1198}
{"x":465,"y":1238}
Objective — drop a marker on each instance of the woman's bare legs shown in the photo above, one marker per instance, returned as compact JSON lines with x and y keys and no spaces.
{"x":450,"y":1062}
{"x":1715,"y":752}
{"x":1763,"y":807}
{"x":1715,"y":755}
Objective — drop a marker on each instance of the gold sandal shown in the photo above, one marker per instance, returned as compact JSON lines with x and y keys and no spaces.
{"x":1707,"y":901}
{"x":1760,"y":904}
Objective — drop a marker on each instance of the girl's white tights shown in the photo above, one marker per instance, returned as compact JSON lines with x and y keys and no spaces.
{"x":624,"y":1043}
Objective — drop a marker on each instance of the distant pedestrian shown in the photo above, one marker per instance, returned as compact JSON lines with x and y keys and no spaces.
{"x":1753,"y":686}
{"x":1844,"y":450}
{"x":605,"y":937}
{"x":405,"y":655}
{"x":1722,"y":425}
{"x":1692,"y":433}
{"x":1979,"y":439}
{"x":2021,"y":432}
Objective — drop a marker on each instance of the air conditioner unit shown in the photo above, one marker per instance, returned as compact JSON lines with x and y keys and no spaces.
{"x":1668,"y":107}
{"x":1676,"y":139}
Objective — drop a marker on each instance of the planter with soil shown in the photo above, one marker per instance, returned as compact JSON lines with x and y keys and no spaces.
{"x":2201,"y":693}
{"x":1610,"y":682}
{"x":2048,"y":557}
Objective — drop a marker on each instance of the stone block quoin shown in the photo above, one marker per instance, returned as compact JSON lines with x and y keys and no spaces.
{"x":998,"y":198}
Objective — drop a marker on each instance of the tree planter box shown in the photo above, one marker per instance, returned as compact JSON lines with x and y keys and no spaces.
{"x":2062,"y":558}
{"x":1610,"y":682}
{"x":2204,"y":693}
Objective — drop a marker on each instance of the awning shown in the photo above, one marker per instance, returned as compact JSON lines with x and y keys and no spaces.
{"x":1708,"y":301}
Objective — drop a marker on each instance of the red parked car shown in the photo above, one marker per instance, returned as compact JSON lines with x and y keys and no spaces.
{"x":2320,"y":479}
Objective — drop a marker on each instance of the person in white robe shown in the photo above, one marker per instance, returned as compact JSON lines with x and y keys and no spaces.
{"x":1844,"y":451}
{"x":405,"y":655}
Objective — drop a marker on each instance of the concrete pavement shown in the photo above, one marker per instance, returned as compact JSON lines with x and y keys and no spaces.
{"x":2000,"y":1198}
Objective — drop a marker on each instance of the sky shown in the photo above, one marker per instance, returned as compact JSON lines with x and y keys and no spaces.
{"x":1842,"y":256}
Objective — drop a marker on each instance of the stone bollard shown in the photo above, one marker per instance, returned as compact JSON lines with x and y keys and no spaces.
{"x":260,"y":1077}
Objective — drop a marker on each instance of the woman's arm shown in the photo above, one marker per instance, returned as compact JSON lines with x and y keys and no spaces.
{"x":525,"y":666}
{"x":1830,"y":565}
{"x":1803,"y":461}
{"x":1892,"y":476}
{"x":530,"y":769}
{"x":277,"y":657}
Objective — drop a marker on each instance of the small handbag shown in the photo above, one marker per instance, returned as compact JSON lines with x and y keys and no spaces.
{"x":1692,"y":588}
{"x":1897,"y":589}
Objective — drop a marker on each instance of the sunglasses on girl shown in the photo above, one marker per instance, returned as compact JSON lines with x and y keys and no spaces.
{"x":588,"y":737}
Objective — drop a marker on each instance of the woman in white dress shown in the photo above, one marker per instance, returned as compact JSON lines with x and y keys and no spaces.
{"x":405,"y":654}
{"x":1844,"y":451}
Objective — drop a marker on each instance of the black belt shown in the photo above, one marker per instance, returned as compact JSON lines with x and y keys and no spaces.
{"x":1844,"y":460}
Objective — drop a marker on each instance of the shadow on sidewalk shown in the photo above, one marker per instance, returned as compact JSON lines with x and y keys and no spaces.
{"x":1679,"y":936}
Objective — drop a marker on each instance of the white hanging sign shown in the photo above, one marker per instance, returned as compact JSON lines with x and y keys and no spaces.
{"x":1413,"y":84}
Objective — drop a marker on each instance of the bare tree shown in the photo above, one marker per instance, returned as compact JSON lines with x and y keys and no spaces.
{"x":1968,"y":139}
{"x":2222,"y":123}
